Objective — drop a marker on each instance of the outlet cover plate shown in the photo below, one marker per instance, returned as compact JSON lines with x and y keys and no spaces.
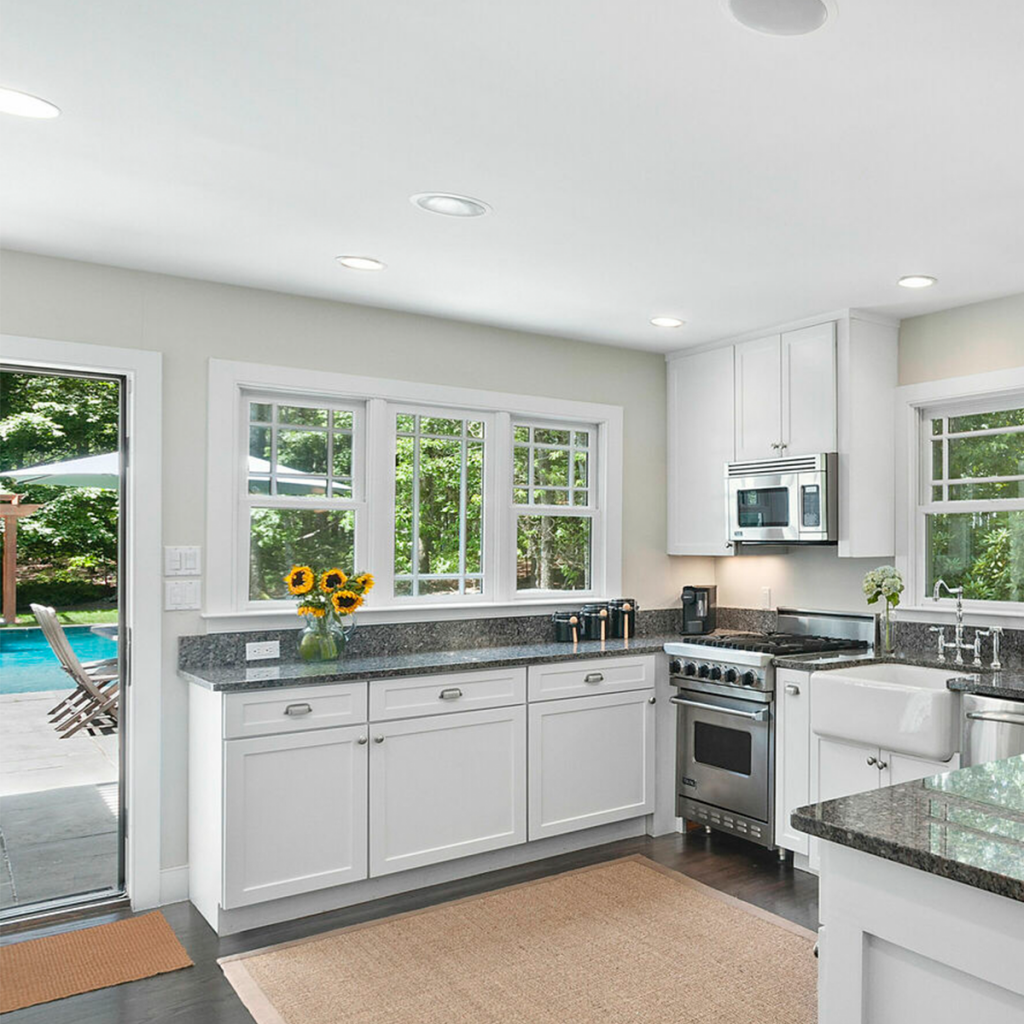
{"x":266,"y":649}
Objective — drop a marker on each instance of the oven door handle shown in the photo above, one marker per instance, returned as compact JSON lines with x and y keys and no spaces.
{"x":756,"y":716}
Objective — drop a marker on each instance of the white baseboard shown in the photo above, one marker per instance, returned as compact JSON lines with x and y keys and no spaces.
{"x":174,"y":884}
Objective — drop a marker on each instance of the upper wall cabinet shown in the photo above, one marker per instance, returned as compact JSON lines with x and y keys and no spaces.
{"x":701,"y":405}
{"x":786,"y":393}
{"x":823,"y":387}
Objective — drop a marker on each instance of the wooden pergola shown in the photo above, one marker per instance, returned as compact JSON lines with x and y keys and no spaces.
{"x":11,"y":509}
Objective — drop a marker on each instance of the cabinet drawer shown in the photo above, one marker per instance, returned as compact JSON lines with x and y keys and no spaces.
{"x":412,"y":696}
{"x":597,"y":675}
{"x":263,"y":712}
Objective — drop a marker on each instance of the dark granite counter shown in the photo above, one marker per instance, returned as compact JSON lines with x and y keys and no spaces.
{"x":1006,"y":683}
{"x":265,"y":675}
{"x":965,"y":825}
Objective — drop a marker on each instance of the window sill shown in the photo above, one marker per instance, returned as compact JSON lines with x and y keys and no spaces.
{"x":946,"y":613}
{"x":285,"y":617}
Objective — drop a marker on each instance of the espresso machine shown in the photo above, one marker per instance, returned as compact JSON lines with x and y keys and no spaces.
{"x":698,"y":610}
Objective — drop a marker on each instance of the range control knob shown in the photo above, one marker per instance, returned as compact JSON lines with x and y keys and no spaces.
{"x":675,"y":667}
{"x":716,"y":672}
{"x":703,"y":671}
{"x":748,"y":679}
{"x":689,"y":669}
{"x":730,"y":675}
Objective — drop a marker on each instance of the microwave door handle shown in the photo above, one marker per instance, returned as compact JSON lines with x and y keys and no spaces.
{"x":756,"y":716}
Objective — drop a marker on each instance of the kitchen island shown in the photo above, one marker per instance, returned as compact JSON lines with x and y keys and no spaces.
{"x":922,"y":899}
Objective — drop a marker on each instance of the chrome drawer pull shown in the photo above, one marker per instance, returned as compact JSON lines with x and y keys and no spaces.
{"x":757,"y":716}
{"x":298,"y":709}
{"x":593,"y":677}
{"x":450,"y":693}
{"x":792,"y":688}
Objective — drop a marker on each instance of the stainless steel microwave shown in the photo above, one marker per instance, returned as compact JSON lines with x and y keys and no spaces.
{"x":783,"y":501}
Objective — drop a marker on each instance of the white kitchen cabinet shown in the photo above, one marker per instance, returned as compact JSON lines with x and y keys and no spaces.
{"x":808,"y":408}
{"x":446,"y":786}
{"x":590,"y":677}
{"x":294,"y":813}
{"x":904,"y":768}
{"x":843,"y":768}
{"x":792,"y":755}
{"x":591,"y":761}
{"x":701,"y":399}
{"x":758,"y":398}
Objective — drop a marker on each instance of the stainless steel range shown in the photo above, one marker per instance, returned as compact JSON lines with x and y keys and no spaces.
{"x":725,"y":738}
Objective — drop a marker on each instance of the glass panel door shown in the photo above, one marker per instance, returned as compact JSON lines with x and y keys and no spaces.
{"x":61,"y":836}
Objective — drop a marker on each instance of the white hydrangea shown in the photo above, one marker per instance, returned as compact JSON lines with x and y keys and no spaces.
{"x":885,"y":581}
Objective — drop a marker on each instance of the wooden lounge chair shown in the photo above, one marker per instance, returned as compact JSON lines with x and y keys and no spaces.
{"x":92,"y":705}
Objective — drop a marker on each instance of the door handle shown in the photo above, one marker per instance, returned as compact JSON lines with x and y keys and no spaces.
{"x":450,"y":693}
{"x":298,"y":709}
{"x":1007,"y":717}
{"x":593,"y":677}
{"x":792,"y":688}
{"x":755,"y":716}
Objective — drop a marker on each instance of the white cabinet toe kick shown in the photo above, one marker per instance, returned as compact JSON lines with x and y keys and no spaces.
{"x":305,"y":799}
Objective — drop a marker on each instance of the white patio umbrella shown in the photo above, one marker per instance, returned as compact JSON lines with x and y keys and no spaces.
{"x":104,"y":471}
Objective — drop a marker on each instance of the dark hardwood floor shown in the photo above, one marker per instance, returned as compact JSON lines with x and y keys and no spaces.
{"x":200,"y":994}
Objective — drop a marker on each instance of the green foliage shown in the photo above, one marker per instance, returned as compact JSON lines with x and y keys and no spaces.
{"x":50,"y":419}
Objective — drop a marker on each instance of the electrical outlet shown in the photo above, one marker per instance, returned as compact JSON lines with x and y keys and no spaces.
{"x":766,"y":597}
{"x":255,"y":675}
{"x":267,"y":649}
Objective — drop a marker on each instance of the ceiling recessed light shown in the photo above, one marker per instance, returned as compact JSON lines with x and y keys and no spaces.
{"x":360,"y":262}
{"x":667,"y":321}
{"x":781,"y":17}
{"x":916,"y":281}
{"x":448,"y":204}
{"x":21,"y":104}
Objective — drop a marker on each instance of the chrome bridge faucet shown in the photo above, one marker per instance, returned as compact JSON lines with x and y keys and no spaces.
{"x":958,"y":643}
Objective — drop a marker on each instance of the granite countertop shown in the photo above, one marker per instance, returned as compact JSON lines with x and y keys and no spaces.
{"x":1007,"y":683}
{"x":302,"y":673}
{"x":965,"y":825}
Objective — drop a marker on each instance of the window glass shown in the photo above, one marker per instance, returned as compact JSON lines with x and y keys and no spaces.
{"x":553,"y":552}
{"x":983,"y":551}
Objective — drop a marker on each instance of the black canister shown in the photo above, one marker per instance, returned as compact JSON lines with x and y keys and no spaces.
{"x":595,"y":622}
{"x":622,"y":618}
{"x":567,"y":627}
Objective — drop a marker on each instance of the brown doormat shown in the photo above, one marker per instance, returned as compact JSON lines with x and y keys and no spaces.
{"x":40,"y":970}
{"x":627,"y":940}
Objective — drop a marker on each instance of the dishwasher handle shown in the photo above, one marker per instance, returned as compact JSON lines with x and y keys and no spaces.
{"x":1007,"y":717}
{"x":755,"y":716}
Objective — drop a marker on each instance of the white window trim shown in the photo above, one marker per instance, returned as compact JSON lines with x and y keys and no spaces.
{"x":911,"y":402}
{"x":229,"y":379}
{"x":143,"y":612}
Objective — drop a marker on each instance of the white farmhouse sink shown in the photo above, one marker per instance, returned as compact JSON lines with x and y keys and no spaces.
{"x":901,"y":708}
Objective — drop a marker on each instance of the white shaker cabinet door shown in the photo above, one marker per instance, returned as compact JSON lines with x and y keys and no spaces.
{"x":758,"y":399}
{"x":294,"y":813}
{"x":843,"y":769}
{"x":792,"y":755}
{"x":591,"y":761}
{"x":809,"y":390}
{"x":446,"y":786}
{"x":905,"y":768}
{"x":701,"y":402}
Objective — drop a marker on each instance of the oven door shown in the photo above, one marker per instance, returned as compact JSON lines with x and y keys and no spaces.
{"x":724,"y":752}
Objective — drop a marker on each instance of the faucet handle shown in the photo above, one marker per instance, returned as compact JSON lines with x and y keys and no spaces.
{"x":941,"y":630}
{"x":978,"y":635}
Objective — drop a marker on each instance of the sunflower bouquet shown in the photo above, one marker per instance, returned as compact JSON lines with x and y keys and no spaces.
{"x":327,"y":599}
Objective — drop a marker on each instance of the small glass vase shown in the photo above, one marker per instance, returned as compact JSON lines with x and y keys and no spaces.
{"x":888,"y":631}
{"x":324,"y":637}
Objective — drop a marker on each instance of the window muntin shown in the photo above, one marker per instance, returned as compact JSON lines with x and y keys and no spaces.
{"x":439,"y":503}
{"x":973,"y":501}
{"x":554,"y":499}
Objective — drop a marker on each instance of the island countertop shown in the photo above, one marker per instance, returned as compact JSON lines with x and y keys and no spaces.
{"x":965,"y":825}
{"x":259,"y":676}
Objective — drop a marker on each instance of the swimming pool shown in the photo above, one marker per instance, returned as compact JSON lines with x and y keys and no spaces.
{"x":27,"y":664}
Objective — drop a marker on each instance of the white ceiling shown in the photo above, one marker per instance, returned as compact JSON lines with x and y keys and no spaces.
{"x":642,"y":157}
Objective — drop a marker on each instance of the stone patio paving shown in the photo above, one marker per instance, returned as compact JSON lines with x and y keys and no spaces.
{"x":58,"y":805}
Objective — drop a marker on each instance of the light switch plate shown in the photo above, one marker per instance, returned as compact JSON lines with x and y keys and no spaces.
{"x":766,"y":597}
{"x":266,"y":649}
{"x":183,"y":561}
{"x":182,"y":595}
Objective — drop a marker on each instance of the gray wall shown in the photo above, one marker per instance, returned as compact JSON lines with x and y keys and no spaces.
{"x":189,"y":321}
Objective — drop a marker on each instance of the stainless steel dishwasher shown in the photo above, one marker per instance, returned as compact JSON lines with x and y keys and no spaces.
{"x":993,"y":729}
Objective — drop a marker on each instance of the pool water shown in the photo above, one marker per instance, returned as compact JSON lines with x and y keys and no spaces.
{"x":27,"y":664}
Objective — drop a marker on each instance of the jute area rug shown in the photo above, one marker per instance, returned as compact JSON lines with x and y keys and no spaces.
{"x":623,"y":941}
{"x":41,"y":970}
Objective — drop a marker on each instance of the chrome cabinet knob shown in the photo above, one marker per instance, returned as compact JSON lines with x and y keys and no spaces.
{"x":361,"y":740}
{"x":881,"y":765}
{"x":378,"y":739}
{"x":872,"y":760}
{"x":653,"y":700}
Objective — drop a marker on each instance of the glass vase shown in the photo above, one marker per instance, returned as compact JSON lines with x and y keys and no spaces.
{"x":889,"y":631}
{"x":324,"y":638}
